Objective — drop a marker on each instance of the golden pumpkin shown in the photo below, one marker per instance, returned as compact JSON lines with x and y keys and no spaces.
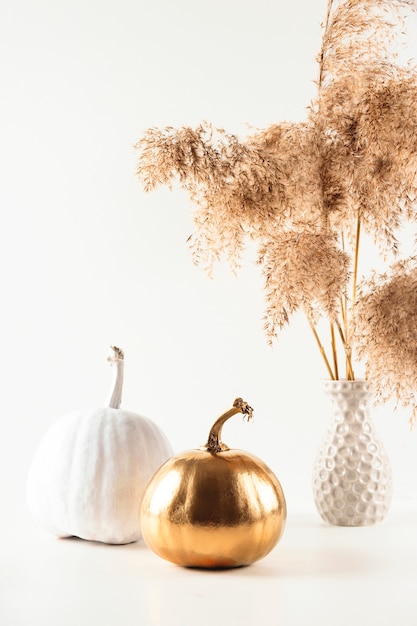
{"x":213,"y":507}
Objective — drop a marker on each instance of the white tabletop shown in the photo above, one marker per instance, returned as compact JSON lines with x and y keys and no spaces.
{"x":317,"y":574}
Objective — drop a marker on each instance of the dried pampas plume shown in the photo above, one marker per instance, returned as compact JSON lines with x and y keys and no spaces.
{"x":386,"y":333}
{"x":302,"y":271}
{"x":307,"y":191}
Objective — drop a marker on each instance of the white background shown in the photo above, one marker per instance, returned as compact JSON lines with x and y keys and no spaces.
{"x":88,"y":260}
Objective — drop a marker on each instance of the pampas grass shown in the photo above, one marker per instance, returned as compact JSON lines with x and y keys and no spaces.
{"x":307,"y":192}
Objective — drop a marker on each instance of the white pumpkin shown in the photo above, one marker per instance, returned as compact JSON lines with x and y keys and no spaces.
{"x":91,"y":468}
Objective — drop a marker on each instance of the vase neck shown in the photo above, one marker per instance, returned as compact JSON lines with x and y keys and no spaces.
{"x":348,"y":393}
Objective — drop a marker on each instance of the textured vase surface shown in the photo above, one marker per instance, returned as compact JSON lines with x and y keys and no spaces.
{"x":352,"y":480}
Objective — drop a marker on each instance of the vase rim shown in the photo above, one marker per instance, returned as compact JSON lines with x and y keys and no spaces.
{"x":344,"y":380}
{"x":344,"y":384}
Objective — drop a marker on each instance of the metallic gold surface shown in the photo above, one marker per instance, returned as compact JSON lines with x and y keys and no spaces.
{"x":213,"y":509}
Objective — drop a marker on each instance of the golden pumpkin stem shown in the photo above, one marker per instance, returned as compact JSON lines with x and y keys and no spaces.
{"x":214,"y":443}
{"x":116,"y":359}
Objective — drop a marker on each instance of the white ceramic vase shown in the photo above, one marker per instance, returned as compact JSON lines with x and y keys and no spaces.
{"x":352,"y":480}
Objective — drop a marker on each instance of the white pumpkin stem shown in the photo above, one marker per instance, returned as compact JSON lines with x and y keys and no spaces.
{"x":117,"y":361}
